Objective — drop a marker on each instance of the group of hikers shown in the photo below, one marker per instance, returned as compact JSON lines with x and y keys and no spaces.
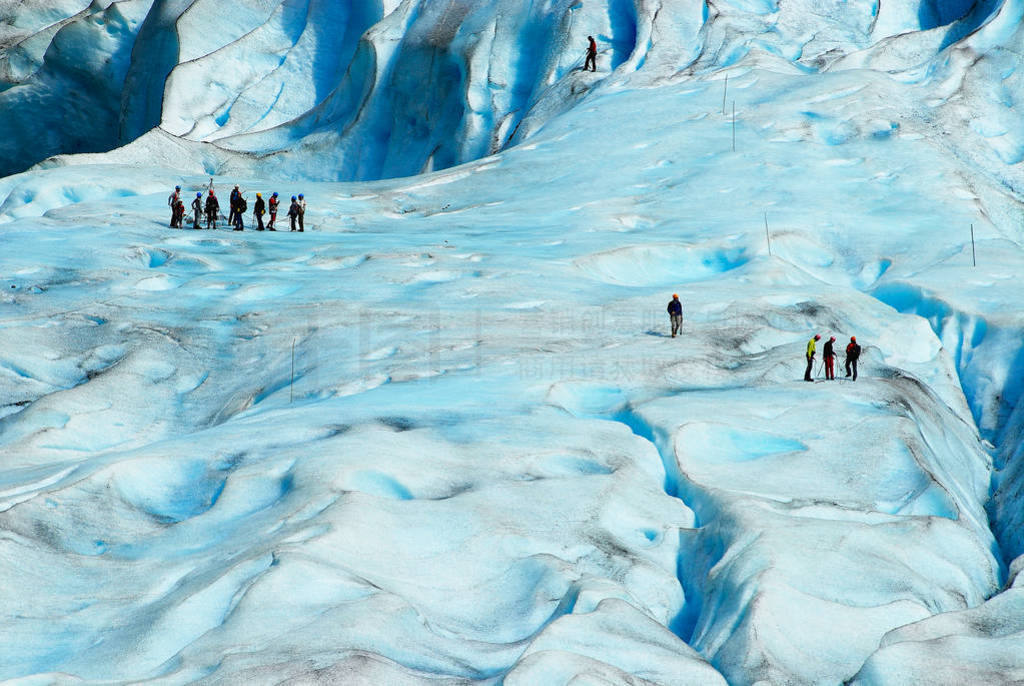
{"x":852,"y":355}
{"x":237,"y":208}
{"x":675,"y":314}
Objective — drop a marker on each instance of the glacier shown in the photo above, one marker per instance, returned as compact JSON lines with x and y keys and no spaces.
{"x":444,"y":436}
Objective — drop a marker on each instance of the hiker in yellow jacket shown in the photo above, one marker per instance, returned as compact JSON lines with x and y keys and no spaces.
{"x":810,"y":356}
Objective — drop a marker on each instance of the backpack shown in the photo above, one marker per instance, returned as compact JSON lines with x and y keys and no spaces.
{"x":242,"y":205}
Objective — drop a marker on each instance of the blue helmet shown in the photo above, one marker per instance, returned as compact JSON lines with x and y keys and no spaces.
{"x":300,"y":195}
{"x":199,"y":195}
{"x":275,"y":194}
{"x":293,"y":197}
{"x":177,"y":188}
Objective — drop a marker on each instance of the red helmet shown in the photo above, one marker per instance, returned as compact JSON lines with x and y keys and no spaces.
{"x":817,"y":336}
{"x":832,"y":338}
{"x":853,"y":339}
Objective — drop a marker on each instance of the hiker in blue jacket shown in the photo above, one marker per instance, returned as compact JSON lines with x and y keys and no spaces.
{"x":675,"y":314}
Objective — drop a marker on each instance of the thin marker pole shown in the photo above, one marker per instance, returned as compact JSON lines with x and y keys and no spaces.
{"x":291,"y":386}
{"x":734,"y":126}
{"x":974,"y":256}
{"x":725,"y":91}
{"x":766,"y":234}
{"x":479,"y":340}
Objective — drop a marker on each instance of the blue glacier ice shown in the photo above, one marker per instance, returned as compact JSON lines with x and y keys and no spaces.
{"x":443,"y":436}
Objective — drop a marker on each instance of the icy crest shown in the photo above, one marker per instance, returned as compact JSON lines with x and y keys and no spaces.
{"x":367,"y":90}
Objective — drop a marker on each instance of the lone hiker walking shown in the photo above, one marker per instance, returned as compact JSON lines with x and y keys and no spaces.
{"x":811,"y":344}
{"x":852,"y":355}
{"x":675,"y":314}
{"x":591,"y":55}
{"x":830,"y":357}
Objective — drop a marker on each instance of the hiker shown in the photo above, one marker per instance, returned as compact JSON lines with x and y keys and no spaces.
{"x":212,"y":209}
{"x":232,"y":204}
{"x":272,"y":207}
{"x":172,"y":200}
{"x":852,"y":354}
{"x":591,"y":55}
{"x":258,"y":210}
{"x":293,"y":211}
{"x":197,"y":209}
{"x":830,"y":356}
{"x":240,"y":207}
{"x":302,"y":212}
{"x":179,"y":212}
{"x":675,"y":314}
{"x":810,"y":356}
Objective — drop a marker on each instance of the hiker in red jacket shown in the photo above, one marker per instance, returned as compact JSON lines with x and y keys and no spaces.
{"x":272,"y":208}
{"x":591,"y":55}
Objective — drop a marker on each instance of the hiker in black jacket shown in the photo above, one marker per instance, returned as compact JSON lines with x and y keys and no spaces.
{"x":258,"y":210}
{"x":238,"y":206}
{"x":293,"y":212}
{"x":852,"y":355}
{"x":675,"y":314}
{"x":197,"y":210}
{"x":212,"y":210}
{"x":232,"y":204}
{"x":830,"y":360}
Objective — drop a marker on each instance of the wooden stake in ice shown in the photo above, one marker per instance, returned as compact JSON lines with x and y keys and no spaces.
{"x":974,"y":255}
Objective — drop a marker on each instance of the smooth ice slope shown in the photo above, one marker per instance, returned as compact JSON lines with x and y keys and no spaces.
{"x":486,"y":462}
